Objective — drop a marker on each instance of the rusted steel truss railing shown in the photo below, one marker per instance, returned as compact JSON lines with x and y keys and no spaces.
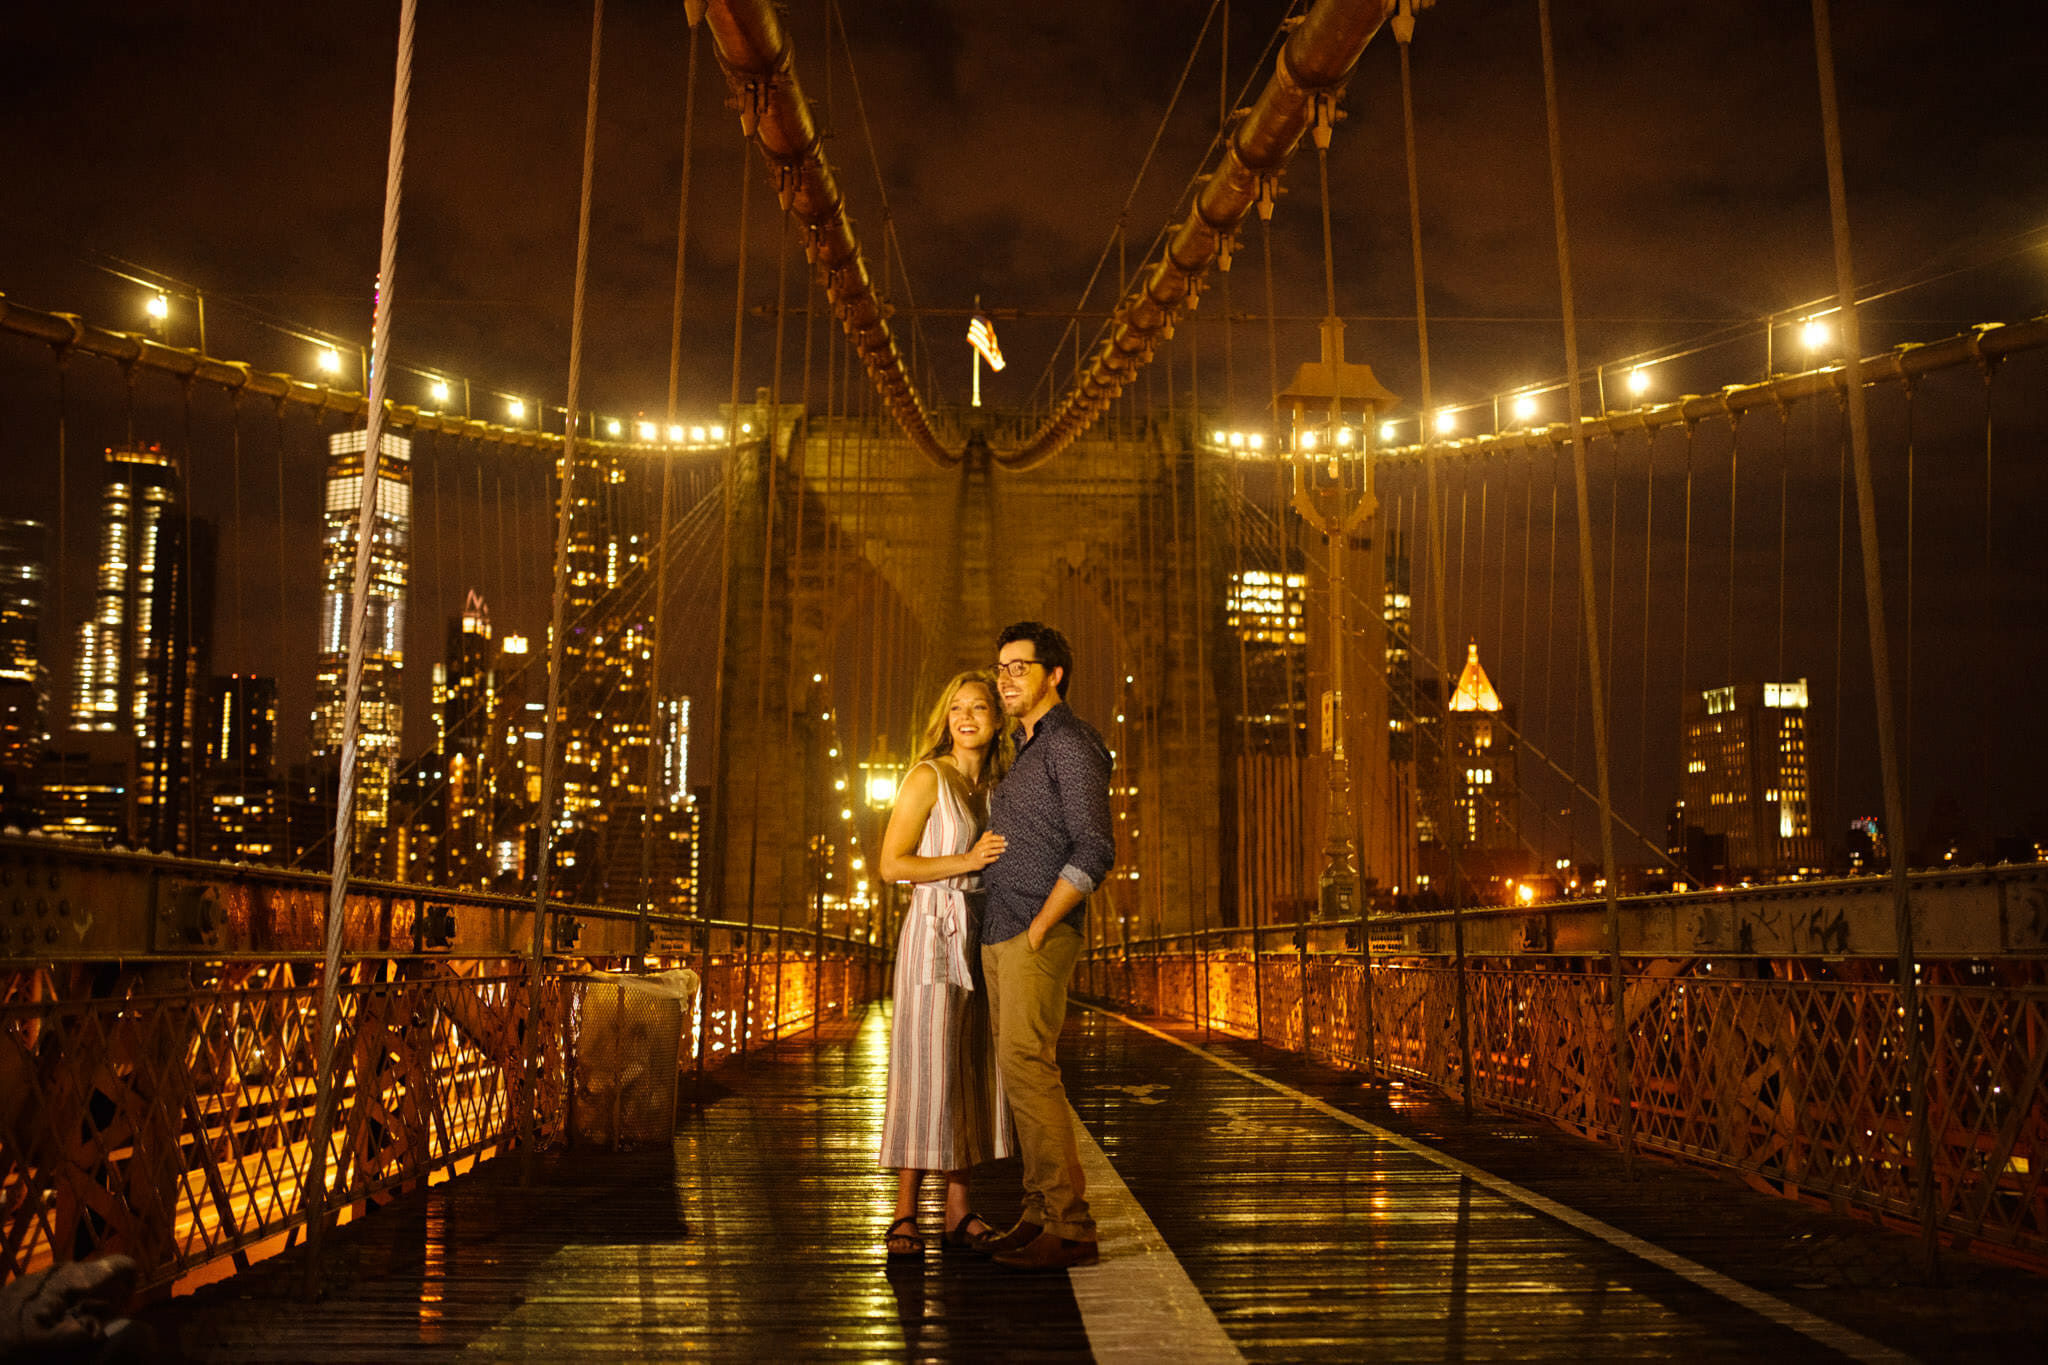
{"x":165,"y":1112}
{"x":1790,"y":1071}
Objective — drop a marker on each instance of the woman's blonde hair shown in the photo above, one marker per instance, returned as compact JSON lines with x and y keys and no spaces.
{"x":938,"y":735}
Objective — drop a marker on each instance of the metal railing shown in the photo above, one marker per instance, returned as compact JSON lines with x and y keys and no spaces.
{"x":1790,"y":1070}
{"x":161,"y":1105}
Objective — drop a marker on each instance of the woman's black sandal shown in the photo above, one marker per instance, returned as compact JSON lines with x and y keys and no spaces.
{"x":911,"y":1253}
{"x":960,"y":1239}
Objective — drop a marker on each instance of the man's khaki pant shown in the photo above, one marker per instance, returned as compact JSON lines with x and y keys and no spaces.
{"x":1027,"y":998}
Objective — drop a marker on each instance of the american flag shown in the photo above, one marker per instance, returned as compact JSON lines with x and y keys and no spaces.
{"x":981,"y":335}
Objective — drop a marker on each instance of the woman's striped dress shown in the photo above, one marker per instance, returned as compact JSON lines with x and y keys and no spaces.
{"x":946,"y":1106}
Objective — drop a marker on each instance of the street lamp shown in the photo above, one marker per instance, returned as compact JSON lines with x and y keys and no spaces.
{"x":515,"y":408}
{"x":1638,"y":381}
{"x":1815,"y":334}
{"x":329,"y":360}
{"x":1525,"y":407}
{"x":1446,"y":422}
{"x":440,"y":390}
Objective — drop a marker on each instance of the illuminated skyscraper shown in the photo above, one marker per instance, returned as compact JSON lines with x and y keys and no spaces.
{"x":382,"y":717}
{"x":23,"y":704}
{"x":474,"y":761}
{"x":607,"y":667}
{"x":1747,"y":777}
{"x":1484,"y":782}
{"x":1485,"y":790}
{"x":109,"y":690}
{"x":143,"y":652}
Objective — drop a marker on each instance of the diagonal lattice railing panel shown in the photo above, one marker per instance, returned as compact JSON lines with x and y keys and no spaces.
{"x":1798,"y":1083}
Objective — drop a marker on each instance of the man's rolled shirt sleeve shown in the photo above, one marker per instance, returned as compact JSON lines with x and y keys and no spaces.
{"x":1084,"y":770}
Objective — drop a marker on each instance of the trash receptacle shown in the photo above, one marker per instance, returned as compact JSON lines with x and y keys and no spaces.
{"x":629,"y":1032}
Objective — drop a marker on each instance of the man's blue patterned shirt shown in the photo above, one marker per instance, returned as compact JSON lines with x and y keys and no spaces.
{"x":1053,"y":808}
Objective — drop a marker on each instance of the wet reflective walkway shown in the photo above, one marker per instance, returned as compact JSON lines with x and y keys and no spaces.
{"x":1253,"y":1206}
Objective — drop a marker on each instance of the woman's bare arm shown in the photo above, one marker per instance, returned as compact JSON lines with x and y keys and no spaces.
{"x":914,"y":802}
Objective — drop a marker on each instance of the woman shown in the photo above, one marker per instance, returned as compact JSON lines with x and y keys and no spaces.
{"x":946,"y":1109}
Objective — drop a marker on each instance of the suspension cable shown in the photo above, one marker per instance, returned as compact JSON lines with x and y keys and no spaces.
{"x":1623,"y":1080}
{"x":366,"y":514}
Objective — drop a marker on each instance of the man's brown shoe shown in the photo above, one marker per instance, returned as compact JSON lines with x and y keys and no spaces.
{"x":1050,"y":1251}
{"x":1018,"y":1237}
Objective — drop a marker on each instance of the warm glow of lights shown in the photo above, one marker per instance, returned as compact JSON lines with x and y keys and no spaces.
{"x":1638,"y":380}
{"x":1308,"y":440}
{"x":1446,"y":422}
{"x":845,"y":814}
{"x":646,"y":431}
{"x":1386,"y":431}
{"x":514,"y":644}
{"x":1256,"y":441}
{"x":717,"y":434}
{"x":1815,"y":334}
{"x":1221,"y":438}
{"x":159,"y":306}
{"x":517,"y":408}
{"x":675,"y":433}
{"x":439,"y":390}
{"x":1344,"y":436}
{"x":1237,"y":440}
{"x":330,"y":361}
{"x":1525,"y":407}
{"x":613,"y":427}
{"x":881,"y":789}
{"x":1526,"y":893}
{"x":839,"y":784}
{"x":746,"y":428}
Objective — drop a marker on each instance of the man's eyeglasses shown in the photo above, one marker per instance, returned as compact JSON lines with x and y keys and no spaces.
{"x":1016,"y":668}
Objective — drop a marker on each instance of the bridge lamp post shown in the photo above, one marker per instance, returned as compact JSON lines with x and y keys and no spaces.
{"x":1333,"y":493}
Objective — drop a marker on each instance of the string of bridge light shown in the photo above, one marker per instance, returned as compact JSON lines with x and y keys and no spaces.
{"x":1521,"y":406}
{"x":327,"y":359}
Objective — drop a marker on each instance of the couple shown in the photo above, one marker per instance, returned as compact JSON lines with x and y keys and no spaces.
{"x":991,"y":938}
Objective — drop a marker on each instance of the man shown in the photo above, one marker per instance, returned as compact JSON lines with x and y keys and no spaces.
{"x":1053,"y":811}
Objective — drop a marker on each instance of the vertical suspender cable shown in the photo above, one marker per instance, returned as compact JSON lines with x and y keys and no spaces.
{"x":1623,"y":1087}
{"x":1643,"y":811}
{"x":661,"y":535}
{"x":550,"y":764}
{"x":1874,"y":607}
{"x":715,"y":863}
{"x":366,"y":512}
{"x":1404,"y":34}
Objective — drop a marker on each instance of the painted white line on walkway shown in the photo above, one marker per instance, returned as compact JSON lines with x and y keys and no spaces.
{"x":1137,"y":1302}
{"x":1832,"y":1335}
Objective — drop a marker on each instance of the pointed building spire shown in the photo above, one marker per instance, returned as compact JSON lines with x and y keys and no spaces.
{"x":1475,"y":692}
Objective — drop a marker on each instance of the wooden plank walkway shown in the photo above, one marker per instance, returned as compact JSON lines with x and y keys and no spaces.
{"x":1243,"y":1207}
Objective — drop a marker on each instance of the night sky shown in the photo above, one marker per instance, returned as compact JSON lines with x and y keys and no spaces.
{"x":240,"y":148}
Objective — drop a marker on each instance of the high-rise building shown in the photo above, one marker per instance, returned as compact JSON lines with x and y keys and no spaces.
{"x":109,"y":688}
{"x":1747,"y":776}
{"x":380,"y":725}
{"x":474,"y":760}
{"x":245,"y":804}
{"x":23,"y":699}
{"x":83,"y":795}
{"x":607,"y":668}
{"x":1267,"y":610}
{"x":170,"y":758}
{"x":144,"y":650}
{"x":1484,"y":824}
{"x":241,"y":726}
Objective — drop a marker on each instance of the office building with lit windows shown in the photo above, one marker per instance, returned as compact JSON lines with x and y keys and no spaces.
{"x":381,"y":720}
{"x":144,"y":649}
{"x":24,"y":729}
{"x":1747,"y":776}
{"x":1267,"y":610}
{"x":605,"y":723}
{"x":1484,"y":818}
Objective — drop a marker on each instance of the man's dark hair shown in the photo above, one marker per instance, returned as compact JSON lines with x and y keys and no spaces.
{"x":1048,"y":645}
